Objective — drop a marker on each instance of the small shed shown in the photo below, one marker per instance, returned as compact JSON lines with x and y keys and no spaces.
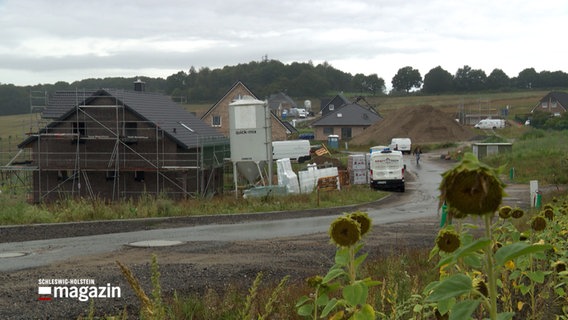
{"x":482,"y":150}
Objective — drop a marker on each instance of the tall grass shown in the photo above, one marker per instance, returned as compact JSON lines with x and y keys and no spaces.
{"x":15,"y":210}
{"x":536,"y":155}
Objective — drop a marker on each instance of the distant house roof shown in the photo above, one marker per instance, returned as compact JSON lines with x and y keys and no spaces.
{"x":281,"y":99}
{"x":333,"y":104}
{"x":178,"y":124}
{"x":230,"y":91}
{"x":218,"y":104}
{"x":351,"y":114}
{"x":554,"y":101}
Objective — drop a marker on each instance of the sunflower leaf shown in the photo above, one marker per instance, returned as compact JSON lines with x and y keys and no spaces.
{"x":464,"y":251}
{"x":517,"y":249}
{"x":450,"y":287}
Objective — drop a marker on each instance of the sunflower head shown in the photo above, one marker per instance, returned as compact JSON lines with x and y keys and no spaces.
{"x":363,"y":219}
{"x":345,"y":232}
{"x":480,"y":286}
{"x":448,"y":240}
{"x":549,"y":214}
{"x":517,"y":213}
{"x":496,"y":246}
{"x":472,"y":187}
{"x":314,"y":281}
{"x":505,"y":212}
{"x":538,"y":223}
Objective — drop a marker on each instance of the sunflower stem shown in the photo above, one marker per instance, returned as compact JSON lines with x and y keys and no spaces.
{"x":490,"y":272}
{"x":352,"y":271}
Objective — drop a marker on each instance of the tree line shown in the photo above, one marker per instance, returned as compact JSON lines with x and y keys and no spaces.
{"x":466,"y":79}
{"x":298,"y":80}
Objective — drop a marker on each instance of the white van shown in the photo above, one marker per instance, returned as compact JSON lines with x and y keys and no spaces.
{"x":293,"y":149}
{"x":401,"y":144}
{"x":490,"y":124}
{"x":386,"y":169}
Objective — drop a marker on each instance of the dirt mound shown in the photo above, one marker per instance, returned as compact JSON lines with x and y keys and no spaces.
{"x":422,"y":124}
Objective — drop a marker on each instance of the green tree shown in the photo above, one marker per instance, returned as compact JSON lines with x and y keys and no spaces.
{"x":527,"y":79}
{"x":437,"y":81}
{"x":554,"y":79}
{"x":406,"y":78}
{"x":497,"y":79}
{"x":468,"y":79}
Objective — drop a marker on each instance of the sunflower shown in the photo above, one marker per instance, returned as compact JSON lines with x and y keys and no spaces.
{"x":472,"y":187}
{"x":315,"y":281}
{"x":517,"y":213}
{"x":538,"y":223}
{"x":363,"y":219}
{"x":505,"y":212}
{"x":345,"y":231}
{"x":448,"y":241}
{"x":480,"y":286}
{"x":549,"y":214}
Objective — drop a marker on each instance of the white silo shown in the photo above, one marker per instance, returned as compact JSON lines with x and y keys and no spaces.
{"x":308,"y":105}
{"x":250,"y":134}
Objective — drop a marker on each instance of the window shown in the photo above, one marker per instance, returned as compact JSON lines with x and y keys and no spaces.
{"x":345,"y":133}
{"x":327,"y":130}
{"x":331,"y":107}
{"x":216,"y":121}
{"x":139,"y":176}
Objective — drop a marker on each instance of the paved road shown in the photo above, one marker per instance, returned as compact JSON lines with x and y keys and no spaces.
{"x":419,"y":201}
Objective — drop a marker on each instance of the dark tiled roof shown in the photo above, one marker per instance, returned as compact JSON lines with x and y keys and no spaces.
{"x":351,"y":114}
{"x":181,"y":126}
{"x":59,"y":102}
{"x":167,"y":115}
{"x":338,"y":101}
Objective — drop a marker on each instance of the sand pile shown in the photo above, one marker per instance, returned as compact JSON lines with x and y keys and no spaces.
{"x":422,"y":124}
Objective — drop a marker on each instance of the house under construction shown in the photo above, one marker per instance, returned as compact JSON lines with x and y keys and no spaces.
{"x":118,"y":144}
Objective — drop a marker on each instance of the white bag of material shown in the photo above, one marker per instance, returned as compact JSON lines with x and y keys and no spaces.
{"x":286,"y":176}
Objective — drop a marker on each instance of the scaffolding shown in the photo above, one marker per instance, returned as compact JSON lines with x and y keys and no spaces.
{"x":104,"y":151}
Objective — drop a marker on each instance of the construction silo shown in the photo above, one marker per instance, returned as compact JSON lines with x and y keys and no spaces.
{"x":250,"y":133}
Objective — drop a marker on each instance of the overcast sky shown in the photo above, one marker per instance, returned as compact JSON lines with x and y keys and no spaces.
{"x":45,"y":41}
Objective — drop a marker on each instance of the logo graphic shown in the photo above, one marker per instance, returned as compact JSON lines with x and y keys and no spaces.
{"x":80,"y":289}
{"x":44,"y":293}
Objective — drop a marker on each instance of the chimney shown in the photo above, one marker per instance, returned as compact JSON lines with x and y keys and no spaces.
{"x":139,"y":85}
